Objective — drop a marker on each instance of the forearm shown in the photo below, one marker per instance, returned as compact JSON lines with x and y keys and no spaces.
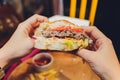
{"x":4,"y":58}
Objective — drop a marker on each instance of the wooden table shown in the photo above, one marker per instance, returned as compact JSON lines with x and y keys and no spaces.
{"x":70,"y":65}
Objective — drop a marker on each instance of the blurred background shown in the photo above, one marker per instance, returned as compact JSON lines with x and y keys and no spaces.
{"x":12,"y":12}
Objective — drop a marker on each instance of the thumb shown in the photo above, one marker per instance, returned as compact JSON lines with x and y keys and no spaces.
{"x":85,"y":54}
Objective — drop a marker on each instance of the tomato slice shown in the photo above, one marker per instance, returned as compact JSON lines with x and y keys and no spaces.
{"x":59,"y":28}
{"x":77,"y":29}
{"x":69,"y":28}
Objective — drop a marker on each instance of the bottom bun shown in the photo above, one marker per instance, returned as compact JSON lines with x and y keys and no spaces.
{"x":67,"y":44}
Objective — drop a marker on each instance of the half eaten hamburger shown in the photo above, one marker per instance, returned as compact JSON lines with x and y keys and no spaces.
{"x":60,"y":35}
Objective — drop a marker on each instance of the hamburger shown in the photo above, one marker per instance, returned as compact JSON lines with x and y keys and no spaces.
{"x":60,"y":35}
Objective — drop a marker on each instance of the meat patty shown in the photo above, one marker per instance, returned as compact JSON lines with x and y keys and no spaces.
{"x":63,"y":34}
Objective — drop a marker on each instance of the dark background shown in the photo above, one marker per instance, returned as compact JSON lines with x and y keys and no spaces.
{"x":108,"y":21}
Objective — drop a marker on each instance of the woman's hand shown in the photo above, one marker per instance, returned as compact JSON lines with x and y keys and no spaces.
{"x":21,"y":43}
{"x":103,"y":60}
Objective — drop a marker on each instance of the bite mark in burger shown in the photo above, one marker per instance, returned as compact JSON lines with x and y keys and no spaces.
{"x":60,"y":35}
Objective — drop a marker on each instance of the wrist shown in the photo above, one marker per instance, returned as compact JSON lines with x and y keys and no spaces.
{"x":113,"y":74}
{"x":116,"y":73}
{"x":4,"y":57}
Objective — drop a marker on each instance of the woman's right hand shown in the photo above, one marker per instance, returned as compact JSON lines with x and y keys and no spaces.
{"x":103,"y":60}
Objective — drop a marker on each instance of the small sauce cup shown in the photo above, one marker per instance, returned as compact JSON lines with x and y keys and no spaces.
{"x":42,"y":61}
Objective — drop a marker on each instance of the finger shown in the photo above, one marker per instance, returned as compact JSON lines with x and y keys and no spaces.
{"x":35,"y":20}
{"x":94,"y":32}
{"x":32,"y":22}
{"x":102,"y":43}
{"x":99,"y":44}
{"x":85,"y":54}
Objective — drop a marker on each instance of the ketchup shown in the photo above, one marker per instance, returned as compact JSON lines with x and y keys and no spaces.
{"x":42,"y":61}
